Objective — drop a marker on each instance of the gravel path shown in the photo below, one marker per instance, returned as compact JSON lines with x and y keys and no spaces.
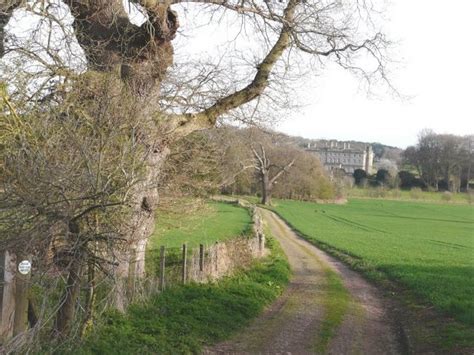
{"x":292,"y":324}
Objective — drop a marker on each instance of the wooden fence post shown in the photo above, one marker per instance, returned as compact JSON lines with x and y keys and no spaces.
{"x":201,"y":257}
{"x":185,"y":267}
{"x":22,"y":277}
{"x":162,"y":268}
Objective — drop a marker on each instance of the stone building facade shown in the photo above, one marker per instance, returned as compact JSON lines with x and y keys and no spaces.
{"x":340,"y":155}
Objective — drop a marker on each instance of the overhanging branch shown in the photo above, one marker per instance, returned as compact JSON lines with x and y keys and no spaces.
{"x":284,"y":169}
{"x":187,"y":123}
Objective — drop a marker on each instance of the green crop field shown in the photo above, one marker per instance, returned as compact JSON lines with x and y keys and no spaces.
{"x":428,"y":248}
{"x":209,"y":223}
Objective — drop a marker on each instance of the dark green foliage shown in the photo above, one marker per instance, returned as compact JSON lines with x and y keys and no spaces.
{"x":406,"y":179}
{"x":409,"y":180}
{"x":382,"y":177}
{"x":359,"y":176}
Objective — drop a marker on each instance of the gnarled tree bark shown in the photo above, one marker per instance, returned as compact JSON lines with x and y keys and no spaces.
{"x":140,"y":56}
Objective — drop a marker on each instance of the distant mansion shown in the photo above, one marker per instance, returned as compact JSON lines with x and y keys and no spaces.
{"x":339,"y":155}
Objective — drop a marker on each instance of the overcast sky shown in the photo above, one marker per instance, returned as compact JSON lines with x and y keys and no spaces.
{"x":436,"y":48}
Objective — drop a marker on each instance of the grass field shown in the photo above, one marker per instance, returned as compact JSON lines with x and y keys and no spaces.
{"x":428,"y":248}
{"x":211,"y":222}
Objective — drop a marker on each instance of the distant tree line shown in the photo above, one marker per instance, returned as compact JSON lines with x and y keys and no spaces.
{"x":439,"y":162}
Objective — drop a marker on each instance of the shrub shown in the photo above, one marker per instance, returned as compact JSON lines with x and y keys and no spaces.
{"x":382,"y":177}
{"x":360,"y":177}
{"x":378,"y":192}
{"x":415,"y":193}
{"x":406,"y":179}
{"x":447,"y":196}
{"x":470,"y":197}
{"x":396,"y":193}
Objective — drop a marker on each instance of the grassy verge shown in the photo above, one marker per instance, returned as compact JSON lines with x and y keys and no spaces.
{"x":183,"y":319}
{"x":419,"y":252}
{"x":336,"y":303}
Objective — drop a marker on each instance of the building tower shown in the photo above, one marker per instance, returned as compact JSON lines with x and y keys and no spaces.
{"x":369,"y":159}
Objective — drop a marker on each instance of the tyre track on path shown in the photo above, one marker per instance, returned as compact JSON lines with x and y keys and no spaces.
{"x":294,"y":323}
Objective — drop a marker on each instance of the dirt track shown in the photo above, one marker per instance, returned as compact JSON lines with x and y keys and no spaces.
{"x":293,"y":323}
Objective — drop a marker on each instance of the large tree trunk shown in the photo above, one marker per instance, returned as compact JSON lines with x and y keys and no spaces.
{"x":131,"y":268}
{"x":446,"y":178}
{"x":140,"y":56}
{"x":263,"y":166}
{"x":6,"y":11}
{"x":468,"y":176}
{"x":266,"y":190}
{"x":67,"y":310}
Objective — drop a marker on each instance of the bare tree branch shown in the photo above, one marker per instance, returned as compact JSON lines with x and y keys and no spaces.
{"x":282,"y":170}
{"x":207,"y":118}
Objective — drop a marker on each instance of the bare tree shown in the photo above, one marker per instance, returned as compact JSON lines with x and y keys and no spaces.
{"x":268,"y":172}
{"x":172,"y":101}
